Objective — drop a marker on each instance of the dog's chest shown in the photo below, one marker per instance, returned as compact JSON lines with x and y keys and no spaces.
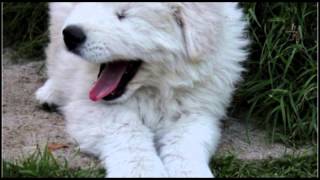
{"x":154,"y":110}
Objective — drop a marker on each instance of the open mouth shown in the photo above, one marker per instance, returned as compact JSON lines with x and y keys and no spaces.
{"x":113,"y":78}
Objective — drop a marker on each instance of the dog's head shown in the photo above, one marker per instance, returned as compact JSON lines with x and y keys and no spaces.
{"x":139,"y":44}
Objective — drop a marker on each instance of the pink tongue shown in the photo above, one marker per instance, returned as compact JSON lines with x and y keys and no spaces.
{"x":108,"y":80}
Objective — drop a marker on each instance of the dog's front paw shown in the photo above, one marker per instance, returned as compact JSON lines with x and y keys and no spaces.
{"x":152,"y":171}
{"x":187,"y":168}
{"x":138,"y":168}
{"x":48,"y":97}
{"x":134,"y":173}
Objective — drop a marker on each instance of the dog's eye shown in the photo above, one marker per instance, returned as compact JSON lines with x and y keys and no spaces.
{"x":121,"y":15}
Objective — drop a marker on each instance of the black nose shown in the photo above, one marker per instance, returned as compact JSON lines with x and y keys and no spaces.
{"x":73,"y":36}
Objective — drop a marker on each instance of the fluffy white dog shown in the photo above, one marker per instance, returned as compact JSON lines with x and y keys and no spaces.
{"x":144,"y":85}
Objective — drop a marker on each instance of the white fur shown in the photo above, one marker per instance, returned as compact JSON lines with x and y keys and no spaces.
{"x":167,"y":122}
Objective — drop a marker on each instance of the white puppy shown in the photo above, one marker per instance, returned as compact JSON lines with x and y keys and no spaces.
{"x":144,"y":85}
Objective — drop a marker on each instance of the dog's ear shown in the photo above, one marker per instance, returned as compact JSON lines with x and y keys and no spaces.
{"x":196,"y":22}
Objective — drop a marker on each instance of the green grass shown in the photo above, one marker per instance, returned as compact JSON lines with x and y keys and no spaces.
{"x":25,"y":29}
{"x":279,"y":88}
{"x":288,"y":166}
{"x":44,"y":164}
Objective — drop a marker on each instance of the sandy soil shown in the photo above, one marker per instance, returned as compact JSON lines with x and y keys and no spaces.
{"x":25,"y":125}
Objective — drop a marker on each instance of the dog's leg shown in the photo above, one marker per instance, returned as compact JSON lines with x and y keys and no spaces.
{"x":48,"y":95}
{"x":186,"y":147}
{"x":117,"y":136}
{"x":51,"y":93}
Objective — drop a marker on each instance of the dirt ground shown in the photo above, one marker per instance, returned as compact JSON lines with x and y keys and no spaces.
{"x":25,"y":125}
